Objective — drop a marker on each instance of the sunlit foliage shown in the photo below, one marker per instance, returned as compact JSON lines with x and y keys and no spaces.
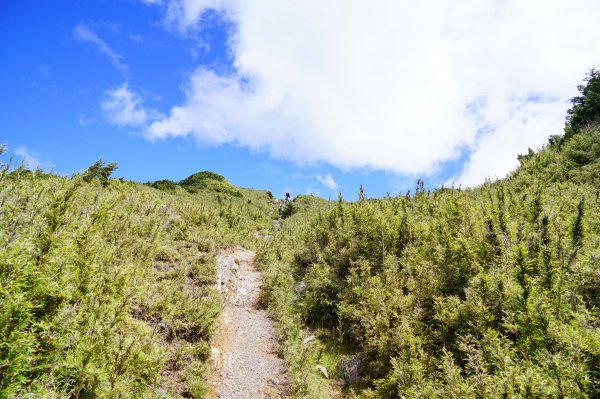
{"x":106,"y":287}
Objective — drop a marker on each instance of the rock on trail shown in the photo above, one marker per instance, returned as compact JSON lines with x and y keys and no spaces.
{"x":245,"y":361}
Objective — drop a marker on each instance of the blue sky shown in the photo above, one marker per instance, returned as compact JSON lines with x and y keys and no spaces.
{"x":299,"y":97}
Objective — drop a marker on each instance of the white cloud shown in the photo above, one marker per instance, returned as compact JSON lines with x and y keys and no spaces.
{"x":30,"y":159}
{"x":496,"y":153}
{"x":185,"y":14}
{"x":395,"y":86}
{"x":328,"y":181}
{"x":83,"y":120}
{"x":83,"y":33}
{"x":124,"y":108}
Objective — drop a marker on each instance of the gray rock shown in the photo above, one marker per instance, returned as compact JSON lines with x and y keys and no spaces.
{"x":300,"y":287}
{"x":308,"y":339}
{"x":350,"y":368}
{"x":227,"y":268}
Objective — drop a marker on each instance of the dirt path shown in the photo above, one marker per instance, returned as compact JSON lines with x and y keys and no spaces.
{"x":245,"y":362}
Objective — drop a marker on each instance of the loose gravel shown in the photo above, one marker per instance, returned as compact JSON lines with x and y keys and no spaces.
{"x":245,"y":361}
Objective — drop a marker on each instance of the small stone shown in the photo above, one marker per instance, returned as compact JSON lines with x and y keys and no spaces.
{"x":215,"y":357}
{"x":323,"y":370}
{"x":300,"y":287}
{"x":308,"y":339}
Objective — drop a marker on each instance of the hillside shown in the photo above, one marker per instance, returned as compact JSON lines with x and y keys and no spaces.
{"x":108,"y":286}
{"x":476,"y":293}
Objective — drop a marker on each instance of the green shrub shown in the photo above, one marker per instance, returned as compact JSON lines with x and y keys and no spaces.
{"x":164,"y":185}
{"x":104,"y":292}
{"x":288,"y":210}
{"x":202,"y":179}
{"x":486,"y":292}
{"x":209,"y":181}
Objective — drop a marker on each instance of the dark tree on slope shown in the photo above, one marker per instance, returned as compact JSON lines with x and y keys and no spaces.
{"x":100,"y":171}
{"x":586,"y":107}
{"x":288,"y":210}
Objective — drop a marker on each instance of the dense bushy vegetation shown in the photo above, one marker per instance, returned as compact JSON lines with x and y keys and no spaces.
{"x":164,"y":185}
{"x":288,"y":210}
{"x":106,"y":287}
{"x":586,"y":106}
{"x":276,"y":259}
{"x":198,"y":182}
{"x":463,"y":293}
{"x":486,"y":292}
{"x":576,"y":160}
{"x":211,"y":181}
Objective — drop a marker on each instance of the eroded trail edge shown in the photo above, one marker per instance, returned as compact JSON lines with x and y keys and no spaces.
{"x":245,"y":361}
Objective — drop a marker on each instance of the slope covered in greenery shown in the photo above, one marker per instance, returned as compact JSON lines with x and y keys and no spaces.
{"x":476,"y":293}
{"x":106,"y":287}
{"x":203,"y":181}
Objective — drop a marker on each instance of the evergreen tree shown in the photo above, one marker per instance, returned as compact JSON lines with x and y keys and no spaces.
{"x":586,"y":107}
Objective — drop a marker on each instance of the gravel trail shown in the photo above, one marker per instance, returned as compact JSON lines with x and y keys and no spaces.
{"x":244,"y":354}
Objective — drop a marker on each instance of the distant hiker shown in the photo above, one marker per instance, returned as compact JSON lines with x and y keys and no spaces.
{"x":280,"y":208}
{"x":287,"y":197}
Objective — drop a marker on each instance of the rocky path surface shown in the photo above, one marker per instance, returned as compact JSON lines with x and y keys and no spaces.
{"x":245,"y":361}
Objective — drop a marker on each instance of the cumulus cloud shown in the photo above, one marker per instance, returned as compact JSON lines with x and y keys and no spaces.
{"x":185,"y":15}
{"x":83,"y":33}
{"x":124,"y":108}
{"x":495,"y":153}
{"x":30,"y":159}
{"x":395,"y":86}
{"x":328,"y":181}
